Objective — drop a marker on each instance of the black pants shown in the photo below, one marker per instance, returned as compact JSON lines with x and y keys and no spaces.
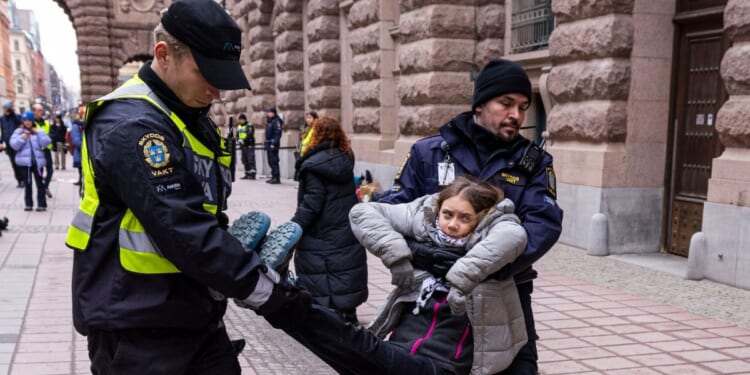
{"x":248,"y":159}
{"x":273,"y":162}
{"x":525,"y":362}
{"x":162,"y":351}
{"x":35,"y":174}
{"x":17,"y":171}
{"x":48,"y":176}
{"x":355,"y":350}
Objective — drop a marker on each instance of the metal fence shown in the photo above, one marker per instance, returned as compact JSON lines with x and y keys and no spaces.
{"x":531,"y":24}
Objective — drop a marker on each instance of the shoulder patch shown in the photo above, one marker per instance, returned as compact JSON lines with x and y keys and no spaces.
{"x":551,"y":182}
{"x":156,"y":154}
{"x":403,"y":165}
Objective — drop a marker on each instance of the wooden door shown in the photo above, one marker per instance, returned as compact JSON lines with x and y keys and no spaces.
{"x":699,"y":95}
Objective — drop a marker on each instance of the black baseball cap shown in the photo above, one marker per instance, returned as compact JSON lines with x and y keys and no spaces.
{"x":213,"y":37}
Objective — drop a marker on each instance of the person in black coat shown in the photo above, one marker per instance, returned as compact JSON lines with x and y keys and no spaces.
{"x":330,"y":262}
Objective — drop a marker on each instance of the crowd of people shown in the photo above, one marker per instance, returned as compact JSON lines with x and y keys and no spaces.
{"x":37,"y":147}
{"x":469,"y":212}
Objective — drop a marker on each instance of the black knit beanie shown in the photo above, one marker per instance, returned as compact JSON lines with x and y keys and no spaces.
{"x":500,"y":77}
{"x":242,"y":116}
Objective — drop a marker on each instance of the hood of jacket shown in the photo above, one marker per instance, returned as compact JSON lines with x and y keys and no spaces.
{"x":327,"y":161}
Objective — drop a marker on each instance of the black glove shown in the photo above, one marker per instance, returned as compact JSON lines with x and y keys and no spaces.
{"x":293,"y":311}
{"x":431,"y":258}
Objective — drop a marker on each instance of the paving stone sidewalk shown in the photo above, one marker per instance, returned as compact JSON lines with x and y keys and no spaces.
{"x":584,"y":326}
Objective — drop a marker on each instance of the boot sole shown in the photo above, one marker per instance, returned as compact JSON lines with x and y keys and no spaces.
{"x":250,"y":229}
{"x":276,"y":249}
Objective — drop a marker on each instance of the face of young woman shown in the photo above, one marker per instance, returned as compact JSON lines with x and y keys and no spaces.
{"x":457,"y":217}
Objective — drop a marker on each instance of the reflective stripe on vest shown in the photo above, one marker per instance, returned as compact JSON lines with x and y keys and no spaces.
{"x":46,"y":127}
{"x":138,"y":253}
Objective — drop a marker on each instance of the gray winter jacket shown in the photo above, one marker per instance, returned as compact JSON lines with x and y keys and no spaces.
{"x":493,"y":306}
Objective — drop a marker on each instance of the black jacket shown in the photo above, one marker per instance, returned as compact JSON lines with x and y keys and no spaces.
{"x":170,"y":207}
{"x":330,"y":262}
{"x":9,"y":124}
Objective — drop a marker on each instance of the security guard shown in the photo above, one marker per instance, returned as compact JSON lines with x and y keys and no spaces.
{"x":486,"y":144}
{"x":153,"y":261}
{"x":43,"y":124}
{"x":246,"y":135}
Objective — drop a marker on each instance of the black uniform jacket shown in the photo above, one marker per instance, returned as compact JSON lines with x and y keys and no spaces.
{"x":473,"y":151}
{"x":169,"y":204}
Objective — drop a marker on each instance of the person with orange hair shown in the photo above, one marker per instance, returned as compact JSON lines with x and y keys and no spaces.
{"x":330,"y":262}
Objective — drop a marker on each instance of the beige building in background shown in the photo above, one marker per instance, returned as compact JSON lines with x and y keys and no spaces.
{"x":22,"y":63}
{"x":644,"y":103}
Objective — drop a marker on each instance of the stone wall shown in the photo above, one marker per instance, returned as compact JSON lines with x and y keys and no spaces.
{"x":726,"y":213}
{"x":324,"y":57}
{"x":365,"y":33}
{"x":91,"y":22}
{"x":436,"y":55}
{"x":290,"y":80}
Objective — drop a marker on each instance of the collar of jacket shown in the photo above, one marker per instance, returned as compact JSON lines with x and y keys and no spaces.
{"x":462,"y":143}
{"x":196,"y":119}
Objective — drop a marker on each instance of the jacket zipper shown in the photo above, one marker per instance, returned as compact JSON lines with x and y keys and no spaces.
{"x":430,"y":330}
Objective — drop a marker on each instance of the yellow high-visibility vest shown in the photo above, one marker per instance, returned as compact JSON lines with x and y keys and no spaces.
{"x":137,"y":252}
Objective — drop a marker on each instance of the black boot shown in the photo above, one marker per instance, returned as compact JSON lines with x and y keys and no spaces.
{"x":251,"y":175}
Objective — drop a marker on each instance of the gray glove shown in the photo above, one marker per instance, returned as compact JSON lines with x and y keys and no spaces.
{"x":457,"y":301}
{"x":402,"y":274}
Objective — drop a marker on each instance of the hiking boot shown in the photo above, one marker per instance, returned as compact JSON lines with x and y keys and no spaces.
{"x":276,"y":249}
{"x":250,"y":229}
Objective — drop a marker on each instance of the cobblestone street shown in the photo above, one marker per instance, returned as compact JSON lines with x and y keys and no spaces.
{"x":589,"y":321}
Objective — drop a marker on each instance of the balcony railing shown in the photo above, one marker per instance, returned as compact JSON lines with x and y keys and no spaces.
{"x":531,"y":24}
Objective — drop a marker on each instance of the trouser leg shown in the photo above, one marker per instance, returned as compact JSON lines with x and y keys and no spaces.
{"x":355,"y":350}
{"x":251,"y":159}
{"x":48,"y":158}
{"x":273,"y":161}
{"x":26,"y":173}
{"x":41,"y":198}
{"x":525,"y":362}
{"x":17,"y":171}
{"x":160,"y":351}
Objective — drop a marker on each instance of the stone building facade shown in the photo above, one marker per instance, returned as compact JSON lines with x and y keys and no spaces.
{"x":643,"y":104}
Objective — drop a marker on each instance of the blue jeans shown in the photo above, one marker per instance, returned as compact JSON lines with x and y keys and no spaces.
{"x":355,"y":350}
{"x":35,"y":174}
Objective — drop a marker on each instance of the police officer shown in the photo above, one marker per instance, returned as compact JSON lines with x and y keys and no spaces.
{"x":273,"y":140}
{"x":486,"y":144}
{"x":246,"y":135}
{"x":153,"y":260}
{"x":43,"y":124}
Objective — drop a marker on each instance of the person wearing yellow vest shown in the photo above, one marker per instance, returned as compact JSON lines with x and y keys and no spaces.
{"x":246,"y":135}
{"x":43,"y":124}
{"x":153,"y":263}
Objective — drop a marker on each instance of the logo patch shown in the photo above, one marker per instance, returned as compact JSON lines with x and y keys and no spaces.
{"x":155,"y":152}
{"x":551,"y":182}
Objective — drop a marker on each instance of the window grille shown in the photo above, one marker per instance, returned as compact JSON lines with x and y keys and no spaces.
{"x":531,"y":24}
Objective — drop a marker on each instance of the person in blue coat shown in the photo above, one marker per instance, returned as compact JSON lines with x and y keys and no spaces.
{"x":29,"y":141}
{"x":485,"y":143}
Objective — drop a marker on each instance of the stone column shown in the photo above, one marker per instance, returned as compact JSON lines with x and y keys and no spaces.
{"x":436,"y":57}
{"x":91,"y":21}
{"x":726,"y":213}
{"x":323,"y":53}
{"x":373,"y":89}
{"x":603,"y":161}
{"x":258,"y":62}
{"x":490,"y":20}
{"x":290,"y":83}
